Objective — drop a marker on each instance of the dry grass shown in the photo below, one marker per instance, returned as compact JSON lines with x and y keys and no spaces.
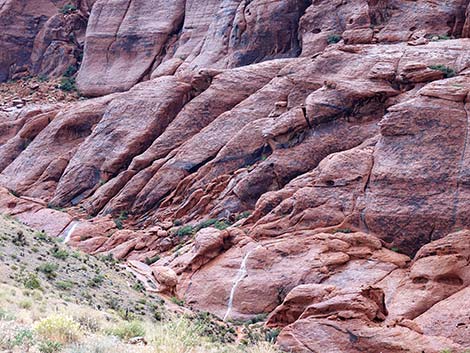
{"x":45,"y":318}
{"x":81,"y":329}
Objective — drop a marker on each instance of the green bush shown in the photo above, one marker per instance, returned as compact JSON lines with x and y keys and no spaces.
{"x":334,"y":38}
{"x":60,"y":254}
{"x":41,"y":236}
{"x":206,"y":223}
{"x":184,"y":231}
{"x":31,"y":281}
{"x":96,"y":281}
{"x":222,"y":224}
{"x":447,"y":71}
{"x":127,"y":330}
{"x":71,"y":70}
{"x":49,"y":347}
{"x":177,"y":301}
{"x":67,"y":84}
{"x":343,"y":230}
{"x":25,"y":304}
{"x":138,"y":286}
{"x":5,"y":315}
{"x":437,"y":37}
{"x":119,"y":220}
{"x":243,"y":215}
{"x":271,"y":335}
{"x":64,"y":285}
{"x":58,"y":328}
{"x":23,"y":337}
{"x":218,"y":224}
{"x":48,"y":269}
{"x":178,"y":222}
{"x":67,"y":9}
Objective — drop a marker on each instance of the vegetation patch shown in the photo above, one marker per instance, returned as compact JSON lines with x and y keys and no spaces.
{"x":333,"y":39}
{"x":67,"y":9}
{"x":127,"y":330}
{"x":58,"y":328}
{"x":447,"y":71}
{"x":67,"y":84}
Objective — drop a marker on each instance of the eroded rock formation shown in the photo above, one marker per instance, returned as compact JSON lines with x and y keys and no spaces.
{"x":307,"y":146}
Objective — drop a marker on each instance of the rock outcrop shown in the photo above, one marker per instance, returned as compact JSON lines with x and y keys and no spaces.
{"x":41,"y":37}
{"x":304,"y":160}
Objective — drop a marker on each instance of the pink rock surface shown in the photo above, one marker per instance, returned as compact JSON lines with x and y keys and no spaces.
{"x":270,"y":157}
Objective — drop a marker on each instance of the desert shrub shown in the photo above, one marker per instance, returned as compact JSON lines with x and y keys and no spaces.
{"x":5,"y":315}
{"x":25,"y":304}
{"x":447,"y":71}
{"x":334,"y":38}
{"x":60,"y":254}
{"x":262,"y":347}
{"x":271,"y":335}
{"x":119,"y":220}
{"x":152,"y":260}
{"x":31,"y":281}
{"x":67,"y":84}
{"x":70,"y":71}
{"x":41,"y":236}
{"x":343,"y":230}
{"x":48,"y":269}
{"x":89,"y":320}
{"x":177,"y":335}
{"x":49,"y":347}
{"x":96,"y":281}
{"x":210,"y":327}
{"x":64,"y":285}
{"x":58,"y":328}
{"x":69,"y":8}
{"x":177,"y":301}
{"x":437,"y":37}
{"x":23,"y":337}
{"x":184,"y":231}
{"x":206,"y":223}
{"x":108,"y":259}
{"x":243,"y":215}
{"x":127,"y":330}
{"x":178,"y":222}
{"x":222,"y":224}
{"x":102,"y":345}
{"x":138,"y":286}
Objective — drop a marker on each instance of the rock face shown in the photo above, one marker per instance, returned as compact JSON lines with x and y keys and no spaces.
{"x":131,"y":40}
{"x":305,"y":160}
{"x":42,"y":37}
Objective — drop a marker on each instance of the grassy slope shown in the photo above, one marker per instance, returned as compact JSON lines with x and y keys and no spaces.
{"x":55,"y":299}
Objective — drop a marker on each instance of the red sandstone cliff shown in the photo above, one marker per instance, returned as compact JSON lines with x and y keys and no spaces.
{"x":339,"y":128}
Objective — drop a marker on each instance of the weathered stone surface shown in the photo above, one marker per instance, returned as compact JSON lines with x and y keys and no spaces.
{"x":274,"y":158}
{"x":35,"y":38}
{"x":39,"y":170}
{"x":269,"y":274}
{"x":318,"y":315}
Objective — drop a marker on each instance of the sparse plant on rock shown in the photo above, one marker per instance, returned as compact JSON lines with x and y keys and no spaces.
{"x":184,"y":231}
{"x":447,"y":71}
{"x":334,"y":38}
{"x":67,"y":9}
{"x":67,"y":84}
